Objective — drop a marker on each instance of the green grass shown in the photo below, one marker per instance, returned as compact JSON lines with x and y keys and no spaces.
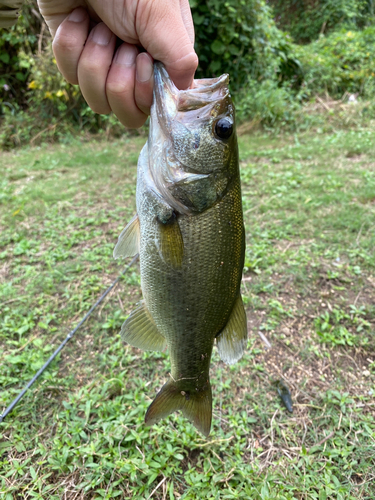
{"x":309,"y":288}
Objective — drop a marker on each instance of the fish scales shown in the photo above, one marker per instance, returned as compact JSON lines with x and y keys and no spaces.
{"x":190,"y":237}
{"x":208,"y":277}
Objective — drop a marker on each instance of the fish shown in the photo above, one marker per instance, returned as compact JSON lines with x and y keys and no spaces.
{"x":190,"y":237}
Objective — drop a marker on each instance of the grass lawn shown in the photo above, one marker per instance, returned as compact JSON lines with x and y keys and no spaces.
{"x":309,"y":289}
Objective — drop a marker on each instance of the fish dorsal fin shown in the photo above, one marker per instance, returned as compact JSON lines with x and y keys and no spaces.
{"x":170,"y":243}
{"x":139,"y":330}
{"x":196,"y":406}
{"x":231,"y":341}
{"x":128,"y":241}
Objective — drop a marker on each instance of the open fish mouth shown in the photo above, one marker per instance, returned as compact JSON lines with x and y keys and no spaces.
{"x":172,"y":103}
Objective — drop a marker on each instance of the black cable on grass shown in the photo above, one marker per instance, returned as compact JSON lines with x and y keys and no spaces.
{"x":63,"y":344}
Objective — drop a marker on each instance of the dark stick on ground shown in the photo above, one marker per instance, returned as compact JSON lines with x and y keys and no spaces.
{"x":10,"y":408}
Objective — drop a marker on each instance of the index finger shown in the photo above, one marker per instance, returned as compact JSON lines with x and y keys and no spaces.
{"x":163,"y":33}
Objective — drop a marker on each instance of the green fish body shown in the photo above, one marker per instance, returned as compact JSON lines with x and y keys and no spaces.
{"x":190,"y":237}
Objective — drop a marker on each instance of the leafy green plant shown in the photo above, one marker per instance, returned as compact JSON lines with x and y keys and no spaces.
{"x":336,"y":327}
{"x":36,"y":102}
{"x":14,"y":71}
{"x":305,"y":20}
{"x":271,"y":78}
{"x":340,"y":63}
{"x":266,"y":103}
{"x":115,"y":321}
{"x":80,"y":428}
{"x":239,"y":37}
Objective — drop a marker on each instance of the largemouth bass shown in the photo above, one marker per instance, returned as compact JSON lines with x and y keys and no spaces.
{"x":190,"y":237}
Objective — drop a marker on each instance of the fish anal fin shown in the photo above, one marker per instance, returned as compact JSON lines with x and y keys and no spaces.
{"x":139,"y":330}
{"x":170,"y":243}
{"x":196,"y":406}
{"x":231,"y":341}
{"x":128,"y":241}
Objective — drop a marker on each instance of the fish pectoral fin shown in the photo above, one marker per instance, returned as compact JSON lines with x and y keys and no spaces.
{"x":231,"y":341}
{"x":139,"y":330}
{"x":196,"y":406}
{"x":170,"y":243}
{"x":128,"y":241}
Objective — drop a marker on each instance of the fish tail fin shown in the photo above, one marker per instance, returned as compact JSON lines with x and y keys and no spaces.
{"x":195,"y":406}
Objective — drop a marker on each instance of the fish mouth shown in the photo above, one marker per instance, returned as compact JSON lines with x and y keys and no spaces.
{"x":171,"y":103}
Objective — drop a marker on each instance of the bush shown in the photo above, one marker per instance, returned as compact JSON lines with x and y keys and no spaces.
{"x":305,"y":20}
{"x":336,"y":65}
{"x":270,"y":76}
{"x":341,"y":62}
{"x":54,"y":109}
{"x":266,"y":103}
{"x":239,"y":37}
{"x":14,"y":72}
{"x":36,"y":103}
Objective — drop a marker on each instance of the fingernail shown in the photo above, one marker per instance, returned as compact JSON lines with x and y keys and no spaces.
{"x":101,"y":34}
{"x":77,"y":16}
{"x":126,"y":55}
{"x":144,"y":68}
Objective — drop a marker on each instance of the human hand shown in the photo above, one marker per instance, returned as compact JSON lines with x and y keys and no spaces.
{"x":120,"y":78}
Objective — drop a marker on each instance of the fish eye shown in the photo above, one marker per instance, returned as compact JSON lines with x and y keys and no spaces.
{"x":223,"y":128}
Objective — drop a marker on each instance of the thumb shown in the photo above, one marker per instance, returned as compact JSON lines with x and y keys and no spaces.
{"x":165,"y":31}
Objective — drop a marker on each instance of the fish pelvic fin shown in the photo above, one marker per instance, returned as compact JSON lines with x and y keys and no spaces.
{"x":139,"y":330}
{"x":128,"y":241}
{"x":196,"y":406}
{"x":231,"y":341}
{"x":170,"y":243}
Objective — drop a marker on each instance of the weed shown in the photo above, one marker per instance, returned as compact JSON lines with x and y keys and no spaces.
{"x":79,"y":433}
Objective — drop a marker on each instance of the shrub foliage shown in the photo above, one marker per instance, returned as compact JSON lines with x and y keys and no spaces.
{"x":343,"y":62}
{"x":239,"y":37}
{"x":305,"y":20}
{"x":270,"y":76}
{"x":35,"y":100}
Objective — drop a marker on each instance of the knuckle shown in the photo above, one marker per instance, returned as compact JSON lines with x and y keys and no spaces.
{"x":70,"y":78}
{"x":65,"y":42}
{"x":187,"y":63}
{"x":194,"y":61}
{"x":99,"y":109}
{"x":90,"y":65}
{"x":144,"y":101}
{"x":116,"y":87}
{"x":134,"y":122}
